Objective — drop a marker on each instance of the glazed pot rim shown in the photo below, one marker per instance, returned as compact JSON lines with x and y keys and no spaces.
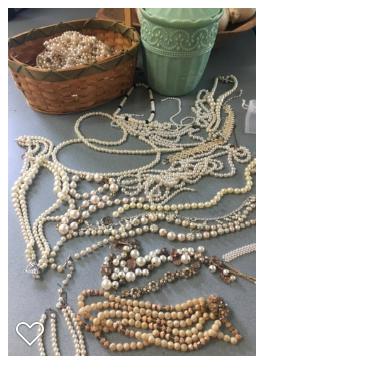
{"x":178,"y":23}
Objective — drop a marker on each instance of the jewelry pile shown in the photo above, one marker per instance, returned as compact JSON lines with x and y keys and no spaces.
{"x":72,"y":49}
{"x":147,"y":191}
{"x":167,"y":323}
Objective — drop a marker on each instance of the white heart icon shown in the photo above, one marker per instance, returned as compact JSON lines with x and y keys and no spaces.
{"x":29,"y":326}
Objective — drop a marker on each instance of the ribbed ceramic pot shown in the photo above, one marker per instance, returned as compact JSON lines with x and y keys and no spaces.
{"x":176,"y":46}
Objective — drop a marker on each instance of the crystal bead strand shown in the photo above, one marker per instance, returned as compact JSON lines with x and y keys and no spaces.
{"x":228,"y":257}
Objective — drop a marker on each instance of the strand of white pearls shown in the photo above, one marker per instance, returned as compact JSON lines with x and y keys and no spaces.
{"x":216,"y":121}
{"x":210,"y":231}
{"x":34,"y":158}
{"x":69,"y":317}
{"x":111,"y":151}
{"x":68,"y":314}
{"x":41,"y":331}
{"x":75,"y":331}
{"x":54,"y":335}
{"x":91,"y":142}
{"x":41,"y":348}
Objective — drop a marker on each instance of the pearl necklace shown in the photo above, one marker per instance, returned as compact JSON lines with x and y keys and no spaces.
{"x":69,"y":317}
{"x":129,"y":264}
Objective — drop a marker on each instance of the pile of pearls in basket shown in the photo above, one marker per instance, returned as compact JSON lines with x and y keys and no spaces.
{"x":72,"y":48}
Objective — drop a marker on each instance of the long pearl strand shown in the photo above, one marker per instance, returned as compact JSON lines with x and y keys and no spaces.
{"x":68,"y":315}
{"x":39,"y":340}
{"x":73,"y":327}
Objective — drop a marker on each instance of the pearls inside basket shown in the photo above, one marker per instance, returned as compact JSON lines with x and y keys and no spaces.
{"x":71,"y":49}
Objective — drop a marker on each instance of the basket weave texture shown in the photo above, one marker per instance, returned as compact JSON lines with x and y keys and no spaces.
{"x":64,"y":91}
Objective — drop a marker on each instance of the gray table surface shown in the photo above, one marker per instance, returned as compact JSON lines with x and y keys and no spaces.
{"x":28,"y":298}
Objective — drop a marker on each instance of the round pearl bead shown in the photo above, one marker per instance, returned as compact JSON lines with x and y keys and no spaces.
{"x":212,"y":268}
{"x":113,"y":187}
{"x":171,"y":235}
{"x":185,"y":258}
{"x":74,"y":214}
{"x":140,"y":261}
{"x":94,"y":199}
{"x":106,"y":284}
{"x":74,"y":225}
{"x":130,"y":277}
{"x":155,"y":261}
{"x":163,"y":258}
{"x":63,"y":229}
{"x":98,"y":177}
{"x":134,"y":253}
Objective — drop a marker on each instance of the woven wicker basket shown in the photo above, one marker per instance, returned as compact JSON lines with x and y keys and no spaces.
{"x":64,"y":91}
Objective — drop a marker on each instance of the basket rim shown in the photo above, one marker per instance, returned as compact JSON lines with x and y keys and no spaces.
{"x":247,"y":25}
{"x":85,"y":24}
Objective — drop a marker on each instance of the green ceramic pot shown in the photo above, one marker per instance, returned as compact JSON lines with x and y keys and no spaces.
{"x":176,"y":46}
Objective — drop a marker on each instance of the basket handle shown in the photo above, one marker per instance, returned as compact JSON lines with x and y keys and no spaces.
{"x":128,"y":17}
